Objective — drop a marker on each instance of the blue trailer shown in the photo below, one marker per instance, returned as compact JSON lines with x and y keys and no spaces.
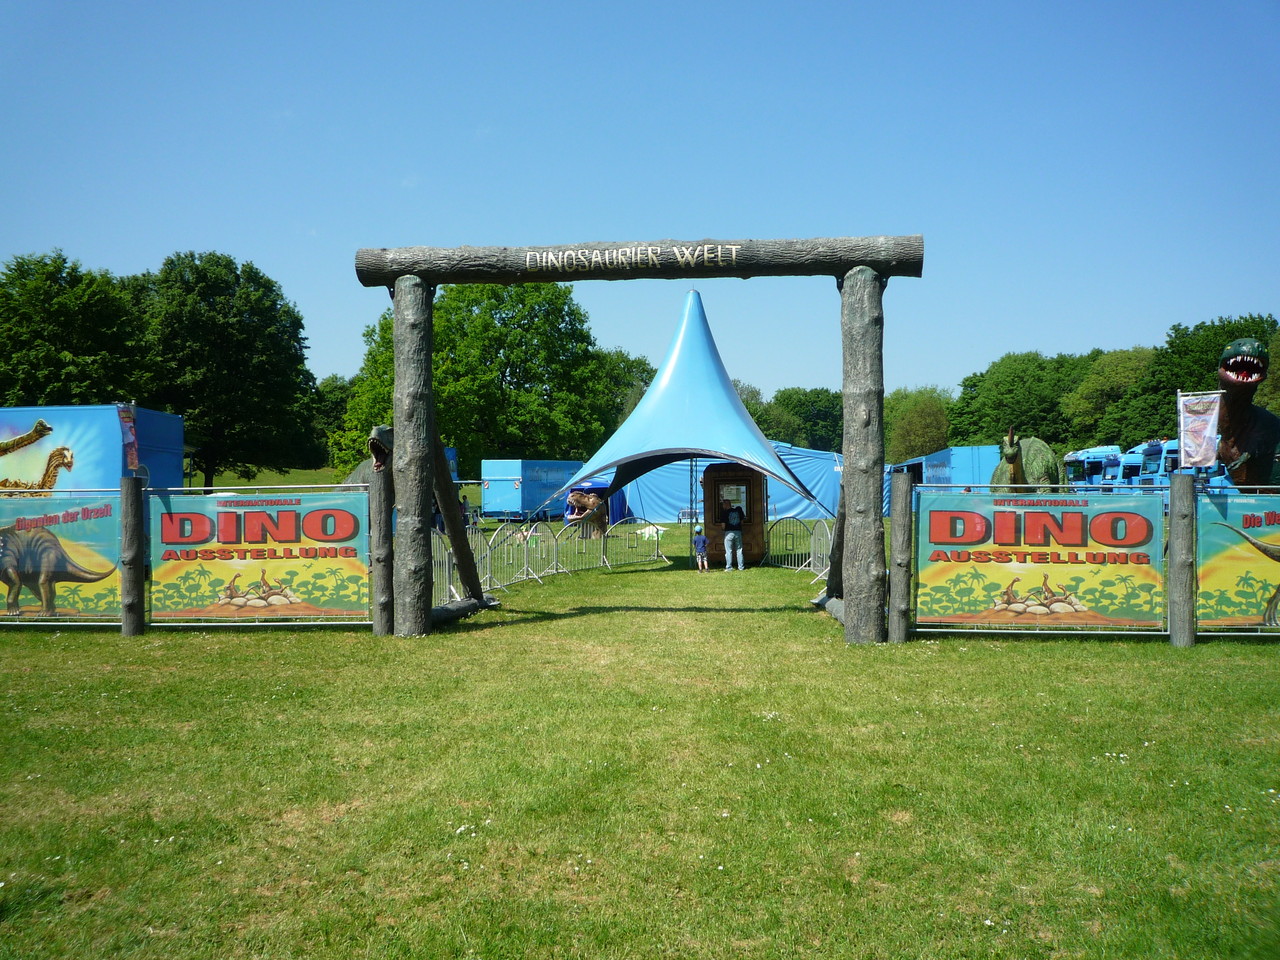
{"x":516,"y":489}
{"x":89,"y":447}
{"x":954,"y":467}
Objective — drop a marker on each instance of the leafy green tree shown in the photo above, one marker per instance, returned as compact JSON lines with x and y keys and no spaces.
{"x":370,"y":400}
{"x":71,"y":335}
{"x":915,"y":422}
{"x":818,"y":411}
{"x":330,"y":406}
{"x":516,"y":375}
{"x":1188,"y":361}
{"x":1108,"y":379}
{"x":232,"y":350}
{"x":1020,"y":390}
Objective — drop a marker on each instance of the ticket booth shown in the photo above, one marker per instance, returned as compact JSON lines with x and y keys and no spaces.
{"x":742,"y":487}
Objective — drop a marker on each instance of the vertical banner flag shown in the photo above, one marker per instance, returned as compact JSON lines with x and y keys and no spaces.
{"x":61,"y":556}
{"x":1040,"y":561}
{"x":1198,"y":428}
{"x":260,"y":557}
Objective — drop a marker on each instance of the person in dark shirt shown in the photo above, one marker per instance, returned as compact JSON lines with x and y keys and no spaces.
{"x":732,"y":517}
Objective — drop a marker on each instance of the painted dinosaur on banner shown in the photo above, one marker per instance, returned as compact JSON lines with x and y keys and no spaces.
{"x":35,"y":559}
{"x":1025,"y":461}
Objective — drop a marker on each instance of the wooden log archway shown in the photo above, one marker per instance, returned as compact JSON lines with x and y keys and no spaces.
{"x":861,"y":267}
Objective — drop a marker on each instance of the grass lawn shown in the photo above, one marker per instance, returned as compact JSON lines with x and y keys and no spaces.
{"x":636,"y":763}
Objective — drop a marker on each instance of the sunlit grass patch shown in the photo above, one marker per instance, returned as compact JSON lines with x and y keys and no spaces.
{"x":635,"y":764}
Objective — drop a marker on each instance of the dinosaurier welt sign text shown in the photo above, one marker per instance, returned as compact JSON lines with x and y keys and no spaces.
{"x":1040,"y":561}
{"x":260,"y":557}
{"x":639,"y":258}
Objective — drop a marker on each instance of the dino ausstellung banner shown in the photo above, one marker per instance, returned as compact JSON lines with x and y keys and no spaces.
{"x":1040,"y":561}
{"x":60,"y":556}
{"x":260,"y":556}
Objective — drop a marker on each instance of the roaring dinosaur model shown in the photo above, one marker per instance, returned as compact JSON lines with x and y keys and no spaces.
{"x":60,"y":458}
{"x":36,"y":559}
{"x":1249,"y":434}
{"x":584,"y":508}
{"x":1025,"y":461}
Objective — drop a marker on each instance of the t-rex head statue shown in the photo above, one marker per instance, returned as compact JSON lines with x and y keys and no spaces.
{"x":1243,"y":365}
{"x":381,"y":441}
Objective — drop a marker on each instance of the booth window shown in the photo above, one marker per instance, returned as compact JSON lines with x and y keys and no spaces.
{"x":736,"y":494}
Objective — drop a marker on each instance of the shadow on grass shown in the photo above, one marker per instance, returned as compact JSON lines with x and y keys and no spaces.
{"x":517,"y":616}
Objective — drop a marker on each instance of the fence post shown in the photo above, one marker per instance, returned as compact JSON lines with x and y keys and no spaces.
{"x":382,"y":551}
{"x":133,"y":571}
{"x":900,"y":537}
{"x":1180,"y":575}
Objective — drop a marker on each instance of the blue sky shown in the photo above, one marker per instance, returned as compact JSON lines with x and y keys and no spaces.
{"x":1084,"y":174}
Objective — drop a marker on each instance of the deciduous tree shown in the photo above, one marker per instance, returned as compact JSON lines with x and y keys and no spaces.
{"x":232,"y":351}
{"x":70,"y":334}
{"x":915,"y":422}
{"x":516,"y":375}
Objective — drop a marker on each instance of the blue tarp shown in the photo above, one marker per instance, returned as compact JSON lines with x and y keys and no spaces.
{"x":691,"y":410}
{"x":663,"y":495}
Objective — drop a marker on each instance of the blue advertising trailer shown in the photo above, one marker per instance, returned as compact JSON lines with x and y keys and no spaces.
{"x":88,"y":447}
{"x":516,"y":489}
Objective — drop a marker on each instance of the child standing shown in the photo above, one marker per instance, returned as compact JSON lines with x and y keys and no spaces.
{"x":700,"y":548}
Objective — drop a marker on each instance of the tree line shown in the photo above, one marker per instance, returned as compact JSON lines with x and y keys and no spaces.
{"x":1072,"y":401}
{"x":517,"y":373}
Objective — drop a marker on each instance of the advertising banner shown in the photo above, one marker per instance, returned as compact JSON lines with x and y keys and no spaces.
{"x":260,"y":557}
{"x":60,"y":556}
{"x":1042,"y":561}
{"x":1237,"y":549}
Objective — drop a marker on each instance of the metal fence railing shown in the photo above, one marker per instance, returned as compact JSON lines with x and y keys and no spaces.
{"x":515,"y":552}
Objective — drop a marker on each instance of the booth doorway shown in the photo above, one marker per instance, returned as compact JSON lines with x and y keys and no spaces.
{"x":742,"y":487}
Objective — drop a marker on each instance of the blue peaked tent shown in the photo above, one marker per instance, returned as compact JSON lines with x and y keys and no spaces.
{"x":691,"y":410}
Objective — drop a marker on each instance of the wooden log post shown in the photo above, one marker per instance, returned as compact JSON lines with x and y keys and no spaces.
{"x":454,"y":526}
{"x":835,"y":560}
{"x":1181,"y":573}
{"x":900,"y":569}
{"x":862,"y":338}
{"x":382,"y":551}
{"x":133,"y":567}
{"x":411,"y":458}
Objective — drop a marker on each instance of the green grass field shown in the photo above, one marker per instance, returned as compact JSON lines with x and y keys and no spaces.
{"x":632,"y":764}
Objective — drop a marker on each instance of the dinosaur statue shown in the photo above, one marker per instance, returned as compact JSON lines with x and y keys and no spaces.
{"x":1249,"y":434}
{"x":1026,"y":461}
{"x":584,"y":508}
{"x":380,"y":442}
{"x":40,"y":430}
{"x":60,"y":458}
{"x":36,"y":559}
{"x":1271,"y":615}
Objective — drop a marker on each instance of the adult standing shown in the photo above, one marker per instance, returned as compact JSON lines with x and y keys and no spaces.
{"x":732,"y":517}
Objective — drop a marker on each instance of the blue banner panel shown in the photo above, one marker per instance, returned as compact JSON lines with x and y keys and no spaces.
{"x":60,"y":556}
{"x":1237,"y":549}
{"x":260,"y":557}
{"x":1040,"y":561}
